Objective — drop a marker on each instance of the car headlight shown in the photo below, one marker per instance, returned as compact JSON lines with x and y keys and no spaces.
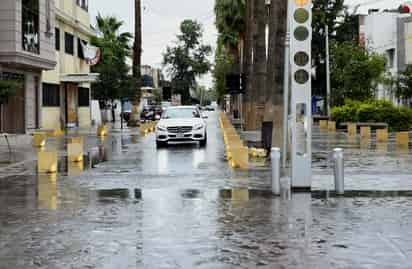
{"x":161,"y":128}
{"x":198,"y":126}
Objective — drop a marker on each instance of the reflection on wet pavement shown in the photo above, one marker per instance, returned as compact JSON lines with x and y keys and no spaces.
{"x":129,"y":205}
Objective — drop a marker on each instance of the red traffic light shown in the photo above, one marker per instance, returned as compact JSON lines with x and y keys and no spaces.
{"x":404,"y":9}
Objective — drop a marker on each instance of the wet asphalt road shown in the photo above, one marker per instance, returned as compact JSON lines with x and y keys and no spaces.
{"x":183,"y":207}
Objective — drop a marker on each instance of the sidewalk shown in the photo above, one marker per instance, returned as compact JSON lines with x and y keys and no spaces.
{"x":22,"y":156}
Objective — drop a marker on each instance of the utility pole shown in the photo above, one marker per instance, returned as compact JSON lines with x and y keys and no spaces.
{"x":286,"y":88}
{"x":327,"y":71}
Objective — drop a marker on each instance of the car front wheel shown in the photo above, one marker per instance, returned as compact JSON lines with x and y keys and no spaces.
{"x":161,"y":144}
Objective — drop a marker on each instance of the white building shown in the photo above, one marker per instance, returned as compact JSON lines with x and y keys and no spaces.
{"x":389,"y":34}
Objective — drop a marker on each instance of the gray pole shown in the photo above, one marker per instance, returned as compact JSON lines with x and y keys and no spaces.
{"x":286,"y":89}
{"x":339,"y":171}
{"x":275,"y":159}
{"x":327,"y":71}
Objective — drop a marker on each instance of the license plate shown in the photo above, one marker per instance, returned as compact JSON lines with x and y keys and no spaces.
{"x":180,"y":135}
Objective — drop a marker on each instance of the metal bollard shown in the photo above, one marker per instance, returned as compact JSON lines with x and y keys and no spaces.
{"x":275,"y":159}
{"x":339,"y":171}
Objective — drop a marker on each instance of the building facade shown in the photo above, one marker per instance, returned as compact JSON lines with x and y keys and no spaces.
{"x":26,"y":49}
{"x":389,"y":34}
{"x":66,"y":89}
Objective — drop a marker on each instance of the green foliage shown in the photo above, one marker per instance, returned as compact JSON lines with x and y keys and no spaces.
{"x":398,"y":119}
{"x":223,"y":66}
{"x":354,"y":72}
{"x":230,"y":20}
{"x":403,"y":90}
{"x":188,"y":59}
{"x":8,"y":89}
{"x":114,"y":80}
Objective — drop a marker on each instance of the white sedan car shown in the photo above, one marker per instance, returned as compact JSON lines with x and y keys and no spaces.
{"x":181,"y":124}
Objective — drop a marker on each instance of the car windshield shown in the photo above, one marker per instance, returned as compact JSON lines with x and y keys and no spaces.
{"x":179,"y":113}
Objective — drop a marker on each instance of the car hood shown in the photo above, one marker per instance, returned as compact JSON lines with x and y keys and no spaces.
{"x":180,"y":122}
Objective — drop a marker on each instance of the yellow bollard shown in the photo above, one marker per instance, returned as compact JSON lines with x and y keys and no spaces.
{"x":382,"y":135}
{"x":352,"y":129}
{"x":332,"y":126}
{"x":75,"y":140}
{"x":323,"y":124}
{"x":47,"y":163}
{"x":402,"y":139}
{"x":75,"y":152}
{"x":240,"y":157}
{"x":39,"y":139}
{"x":102,"y":130}
{"x":55,"y":133}
{"x":365,"y":132}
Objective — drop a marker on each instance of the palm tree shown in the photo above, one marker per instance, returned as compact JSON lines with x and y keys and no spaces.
{"x":115,"y":47}
{"x":257,"y":96}
{"x":137,"y":47}
{"x":231,"y":25}
{"x":275,"y":67}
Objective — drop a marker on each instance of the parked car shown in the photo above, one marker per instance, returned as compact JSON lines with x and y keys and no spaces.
{"x":181,"y":124}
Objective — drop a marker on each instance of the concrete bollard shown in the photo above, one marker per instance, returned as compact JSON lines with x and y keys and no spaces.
{"x":332,"y":126}
{"x":275,"y":159}
{"x":47,"y":162}
{"x":102,"y":130}
{"x":352,"y":129}
{"x":323,"y":124}
{"x":382,"y":135}
{"x":75,"y":152}
{"x":39,"y":139}
{"x":240,"y":158}
{"x":402,"y":139}
{"x":339,"y":171}
{"x":365,"y":132}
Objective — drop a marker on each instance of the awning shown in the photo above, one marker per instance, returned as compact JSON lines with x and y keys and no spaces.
{"x":79,"y":78}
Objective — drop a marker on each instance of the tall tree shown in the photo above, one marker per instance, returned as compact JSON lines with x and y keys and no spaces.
{"x":275,"y":69}
{"x":188,"y":59}
{"x":248,"y":62}
{"x":231,"y":25}
{"x":137,"y":47}
{"x":355,"y":72}
{"x":114,"y":83}
{"x":258,"y":98}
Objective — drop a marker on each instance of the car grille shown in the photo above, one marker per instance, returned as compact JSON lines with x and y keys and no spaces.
{"x":179,"y":129}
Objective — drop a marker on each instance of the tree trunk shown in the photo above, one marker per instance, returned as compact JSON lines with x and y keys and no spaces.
{"x":137,"y":61}
{"x":137,"y":47}
{"x":275,"y":68}
{"x":248,"y":64}
{"x":259,"y":65}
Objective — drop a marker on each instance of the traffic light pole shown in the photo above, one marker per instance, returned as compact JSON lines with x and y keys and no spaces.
{"x":301,"y":93}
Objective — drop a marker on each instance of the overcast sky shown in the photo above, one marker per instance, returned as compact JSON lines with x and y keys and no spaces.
{"x":160,"y":23}
{"x":161,"y":19}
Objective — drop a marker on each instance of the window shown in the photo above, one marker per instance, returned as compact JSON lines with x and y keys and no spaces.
{"x":51,"y":95}
{"x":57,"y":36}
{"x":84,"y":4}
{"x":391,"y":58}
{"x":80,"y":53}
{"x":30,"y":26}
{"x":84,"y":97}
{"x":69,"y":43}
